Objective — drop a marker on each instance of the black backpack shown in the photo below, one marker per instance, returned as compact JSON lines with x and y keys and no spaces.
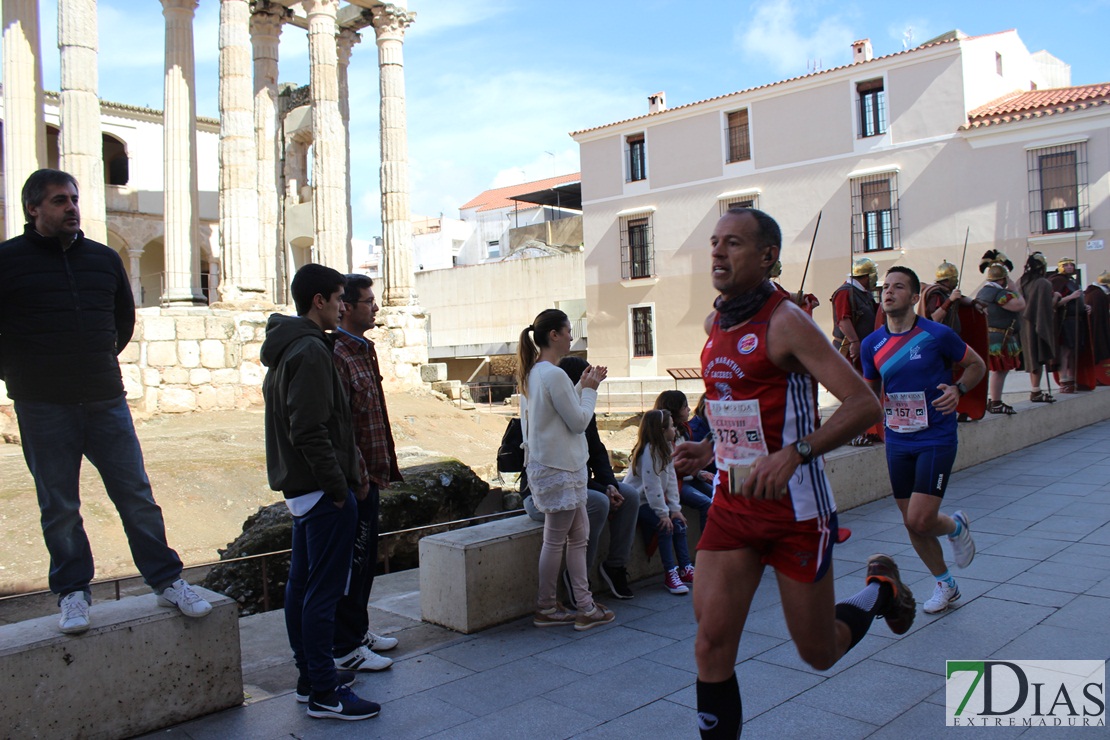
{"x":510,"y":455}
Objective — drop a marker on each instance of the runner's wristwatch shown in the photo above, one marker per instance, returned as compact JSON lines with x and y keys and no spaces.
{"x":805,"y":449}
{"x":961,"y":388}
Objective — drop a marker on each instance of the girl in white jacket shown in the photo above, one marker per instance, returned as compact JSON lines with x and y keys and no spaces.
{"x":554,"y":415}
{"x":651,"y":472}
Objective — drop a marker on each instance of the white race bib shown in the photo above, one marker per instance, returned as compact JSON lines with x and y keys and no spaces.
{"x":737,"y":432}
{"x":906,"y":412}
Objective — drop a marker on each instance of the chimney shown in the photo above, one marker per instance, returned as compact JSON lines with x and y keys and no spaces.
{"x":861,"y":51}
{"x":657,"y":102}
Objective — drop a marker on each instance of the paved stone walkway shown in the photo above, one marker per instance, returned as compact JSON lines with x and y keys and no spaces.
{"x":1039,"y":589}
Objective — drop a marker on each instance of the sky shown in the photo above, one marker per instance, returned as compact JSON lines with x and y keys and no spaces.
{"x":494,"y":87}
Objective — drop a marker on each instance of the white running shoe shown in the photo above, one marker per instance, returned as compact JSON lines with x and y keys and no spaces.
{"x":363,"y":658}
{"x":963,"y":547}
{"x":182,"y":595}
{"x":942,"y":598}
{"x":379,"y":643}
{"x":75,"y":613}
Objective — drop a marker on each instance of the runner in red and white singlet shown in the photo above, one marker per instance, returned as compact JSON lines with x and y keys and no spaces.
{"x":761,"y":362}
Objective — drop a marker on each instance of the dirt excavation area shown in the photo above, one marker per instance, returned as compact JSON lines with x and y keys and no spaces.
{"x":208,"y":471}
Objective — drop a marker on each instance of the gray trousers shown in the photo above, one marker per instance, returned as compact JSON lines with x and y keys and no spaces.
{"x":622,"y":527}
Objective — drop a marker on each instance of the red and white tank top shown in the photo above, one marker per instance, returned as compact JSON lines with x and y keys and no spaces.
{"x":735,"y":367}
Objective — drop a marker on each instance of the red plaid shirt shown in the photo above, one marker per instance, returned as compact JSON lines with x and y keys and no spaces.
{"x":357,"y":363}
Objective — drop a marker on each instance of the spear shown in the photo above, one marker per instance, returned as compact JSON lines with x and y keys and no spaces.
{"x":963,"y":259}
{"x":802,"y":287}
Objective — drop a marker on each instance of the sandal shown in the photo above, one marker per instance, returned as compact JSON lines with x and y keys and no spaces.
{"x":863,"y":440}
{"x":997,"y":407}
{"x":1067,"y":386}
{"x":1042,"y":397}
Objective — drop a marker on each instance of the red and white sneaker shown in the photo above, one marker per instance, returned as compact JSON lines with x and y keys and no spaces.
{"x":673,"y":581}
{"x":687,"y":575}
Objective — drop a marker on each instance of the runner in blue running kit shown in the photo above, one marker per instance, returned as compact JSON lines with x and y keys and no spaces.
{"x":908,"y":363}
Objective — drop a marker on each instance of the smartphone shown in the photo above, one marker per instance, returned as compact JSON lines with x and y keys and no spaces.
{"x":737,"y":474}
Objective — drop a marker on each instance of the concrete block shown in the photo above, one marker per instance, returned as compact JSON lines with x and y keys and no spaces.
{"x":161,"y":354}
{"x":191,"y":327}
{"x":130,"y":353}
{"x":251,"y":351}
{"x":200,"y":376}
{"x":177,"y":400}
{"x":158,"y":329}
{"x":450,"y":388}
{"x":132,"y":381}
{"x":433,"y":372}
{"x":213,"y":353}
{"x":151,"y":377}
{"x":188,"y":352}
{"x":141,"y":667}
{"x":219,"y":327}
{"x":227,"y":376}
{"x":175,"y":376}
{"x":251,"y":374}
{"x":211,"y":398}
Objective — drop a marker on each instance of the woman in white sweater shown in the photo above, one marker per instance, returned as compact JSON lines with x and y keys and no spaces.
{"x":555,"y":415}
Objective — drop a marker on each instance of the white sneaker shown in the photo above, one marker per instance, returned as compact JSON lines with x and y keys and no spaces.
{"x":963,"y":547}
{"x":363,"y":658}
{"x":379,"y":643}
{"x":942,"y":597}
{"x":75,"y":613}
{"x":182,"y":595}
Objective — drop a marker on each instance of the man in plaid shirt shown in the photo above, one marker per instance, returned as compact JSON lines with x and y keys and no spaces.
{"x":356,"y":647}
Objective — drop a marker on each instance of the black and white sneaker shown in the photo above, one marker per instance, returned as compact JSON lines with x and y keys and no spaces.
{"x":379,"y":643}
{"x":363,"y":658}
{"x":342,"y":703}
{"x":304,"y":686}
{"x":616,"y":578}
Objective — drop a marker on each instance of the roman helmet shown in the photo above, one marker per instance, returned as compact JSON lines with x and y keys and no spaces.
{"x":997,"y":272}
{"x":947,"y":271}
{"x":993,"y":257}
{"x":863,"y":267}
{"x":1104,"y":278}
{"x":776,"y":269}
{"x":1064,"y":261}
{"x":1040,"y":258}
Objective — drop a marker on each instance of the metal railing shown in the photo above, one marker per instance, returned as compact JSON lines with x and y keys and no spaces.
{"x":383,"y":555}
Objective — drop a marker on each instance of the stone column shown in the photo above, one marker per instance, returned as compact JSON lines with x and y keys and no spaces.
{"x":182,"y":278}
{"x":80,"y":145}
{"x":265,"y":35}
{"x":332,"y":242}
{"x":135,"y":256}
{"x":345,"y":44}
{"x":390,"y":23}
{"x":238,"y":198}
{"x":24,"y":129}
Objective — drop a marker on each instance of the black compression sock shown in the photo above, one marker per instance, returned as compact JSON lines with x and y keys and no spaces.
{"x":875,"y":598}
{"x":720,"y":714}
{"x":858,"y":621}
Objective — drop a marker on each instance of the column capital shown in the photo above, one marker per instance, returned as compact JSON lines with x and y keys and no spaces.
{"x":345,"y":43}
{"x":267,"y":17}
{"x":180,"y":5}
{"x":312,"y":7}
{"x":391,"y":21}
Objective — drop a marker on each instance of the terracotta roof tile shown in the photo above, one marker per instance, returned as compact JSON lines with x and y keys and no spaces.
{"x":490,"y":200}
{"x":1025,"y":104}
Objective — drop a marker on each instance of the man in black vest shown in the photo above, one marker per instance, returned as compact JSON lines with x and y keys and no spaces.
{"x":66,"y":312}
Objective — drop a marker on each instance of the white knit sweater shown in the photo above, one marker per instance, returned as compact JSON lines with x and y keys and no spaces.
{"x":555,"y":415}
{"x":658,"y":488}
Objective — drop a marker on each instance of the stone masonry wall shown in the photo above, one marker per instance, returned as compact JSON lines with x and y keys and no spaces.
{"x":206,"y":359}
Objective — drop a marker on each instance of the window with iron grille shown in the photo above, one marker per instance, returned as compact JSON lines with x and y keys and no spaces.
{"x":637,"y":157}
{"x":1058,"y":188}
{"x":637,"y":251}
{"x":642,"y":343}
{"x":872,"y":108}
{"x":875,"y":213}
{"x":746,"y":201}
{"x":739,"y":145}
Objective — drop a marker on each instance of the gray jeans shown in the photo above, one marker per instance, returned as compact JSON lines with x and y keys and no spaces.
{"x":622,"y":527}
